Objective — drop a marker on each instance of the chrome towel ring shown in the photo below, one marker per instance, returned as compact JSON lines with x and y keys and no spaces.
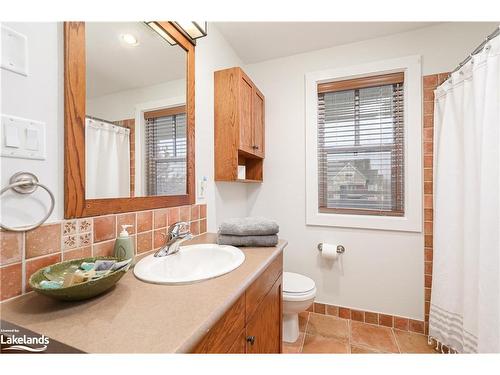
{"x":27,"y":183}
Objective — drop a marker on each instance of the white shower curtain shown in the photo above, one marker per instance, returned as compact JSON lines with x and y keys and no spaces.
{"x":465,"y":302}
{"x":107,"y":154}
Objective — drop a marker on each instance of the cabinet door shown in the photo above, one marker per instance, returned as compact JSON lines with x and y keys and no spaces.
{"x":239,"y":346}
{"x":258,"y":123}
{"x":263,"y":330}
{"x":245,"y":114}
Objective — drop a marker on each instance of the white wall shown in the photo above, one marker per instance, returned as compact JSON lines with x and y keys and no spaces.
{"x":121,"y":105}
{"x":229,"y":199}
{"x":381,"y":271}
{"x":40,"y":97}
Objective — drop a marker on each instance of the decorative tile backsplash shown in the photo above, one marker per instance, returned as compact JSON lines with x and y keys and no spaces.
{"x":21,"y":254}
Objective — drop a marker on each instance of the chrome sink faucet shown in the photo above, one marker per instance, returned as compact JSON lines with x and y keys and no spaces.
{"x":177,"y":234}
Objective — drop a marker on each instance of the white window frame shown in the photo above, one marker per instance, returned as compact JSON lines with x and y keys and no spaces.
{"x":412,"y":219}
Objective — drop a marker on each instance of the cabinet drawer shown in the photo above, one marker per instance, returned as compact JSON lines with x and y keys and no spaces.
{"x":260,"y":287}
{"x":225,"y":333}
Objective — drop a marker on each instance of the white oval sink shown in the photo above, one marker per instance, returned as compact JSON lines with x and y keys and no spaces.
{"x":190,"y":264}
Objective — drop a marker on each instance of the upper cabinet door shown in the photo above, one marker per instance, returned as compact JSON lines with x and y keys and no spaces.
{"x":246,"y":120}
{"x":258,"y":123}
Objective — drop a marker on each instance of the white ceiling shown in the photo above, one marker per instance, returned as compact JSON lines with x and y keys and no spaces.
{"x":114,"y":66}
{"x":259,"y":41}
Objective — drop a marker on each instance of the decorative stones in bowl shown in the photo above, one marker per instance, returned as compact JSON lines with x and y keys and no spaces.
{"x":59,"y":281}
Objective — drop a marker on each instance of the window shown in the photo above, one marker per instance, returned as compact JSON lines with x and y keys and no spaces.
{"x":166,"y":148}
{"x":363,"y":138}
{"x":361,"y":146}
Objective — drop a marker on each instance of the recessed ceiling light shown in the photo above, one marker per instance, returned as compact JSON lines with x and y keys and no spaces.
{"x":130,"y":39}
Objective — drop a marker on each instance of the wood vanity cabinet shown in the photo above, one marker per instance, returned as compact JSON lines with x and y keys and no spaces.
{"x":253,"y":324}
{"x":239,"y":126}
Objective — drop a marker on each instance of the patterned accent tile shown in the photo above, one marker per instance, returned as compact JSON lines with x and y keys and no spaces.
{"x":69,"y":227}
{"x":84,"y":225}
{"x":69,"y":242}
{"x":84,"y":239}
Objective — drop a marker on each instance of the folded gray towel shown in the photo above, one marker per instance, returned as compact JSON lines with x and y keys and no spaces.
{"x":257,"y":241}
{"x":249,"y":226}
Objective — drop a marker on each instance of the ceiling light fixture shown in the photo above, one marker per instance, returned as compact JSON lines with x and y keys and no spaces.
{"x":160,"y":31}
{"x":190,"y":29}
{"x":130,"y":39}
{"x":195,"y":29}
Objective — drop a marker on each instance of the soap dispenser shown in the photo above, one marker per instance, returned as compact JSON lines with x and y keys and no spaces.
{"x":124,"y":246}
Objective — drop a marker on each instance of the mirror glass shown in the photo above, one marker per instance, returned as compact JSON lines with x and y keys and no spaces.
{"x":135,"y":127}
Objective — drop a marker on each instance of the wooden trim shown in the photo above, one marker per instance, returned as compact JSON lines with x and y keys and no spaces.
{"x":75,"y":203}
{"x":165,"y":112}
{"x":363,"y":82}
{"x":354,"y":211}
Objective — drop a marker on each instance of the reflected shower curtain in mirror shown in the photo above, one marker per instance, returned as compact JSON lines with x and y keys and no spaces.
{"x":107,"y":155}
{"x":465,"y":301}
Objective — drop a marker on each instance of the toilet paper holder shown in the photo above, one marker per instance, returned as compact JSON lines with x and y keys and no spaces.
{"x":340,"y":248}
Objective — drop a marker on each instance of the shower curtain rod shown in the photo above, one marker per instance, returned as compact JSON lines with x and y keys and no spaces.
{"x":479,"y":48}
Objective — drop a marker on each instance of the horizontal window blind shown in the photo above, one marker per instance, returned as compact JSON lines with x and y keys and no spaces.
{"x":361,"y":146}
{"x":166,"y":150}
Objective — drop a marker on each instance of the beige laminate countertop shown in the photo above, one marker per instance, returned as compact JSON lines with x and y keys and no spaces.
{"x":137,"y":317}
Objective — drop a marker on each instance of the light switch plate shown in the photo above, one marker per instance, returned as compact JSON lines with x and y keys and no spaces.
{"x":14,"y":51}
{"x":22,"y":138}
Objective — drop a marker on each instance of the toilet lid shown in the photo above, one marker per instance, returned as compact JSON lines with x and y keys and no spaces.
{"x":296,"y":283}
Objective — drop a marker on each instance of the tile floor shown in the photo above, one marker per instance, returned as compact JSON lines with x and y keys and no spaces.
{"x":328,"y":334}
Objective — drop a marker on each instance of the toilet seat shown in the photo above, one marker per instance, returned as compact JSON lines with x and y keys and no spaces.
{"x":297,"y":287}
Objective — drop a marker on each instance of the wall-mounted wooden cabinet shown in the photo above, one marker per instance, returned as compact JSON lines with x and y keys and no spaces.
{"x":239,"y":126}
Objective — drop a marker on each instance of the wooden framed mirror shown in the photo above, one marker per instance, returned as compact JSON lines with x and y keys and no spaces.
{"x":128,"y":118}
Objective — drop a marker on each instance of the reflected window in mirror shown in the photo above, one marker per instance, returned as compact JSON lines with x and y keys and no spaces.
{"x":166,"y":151}
{"x":132,"y":71}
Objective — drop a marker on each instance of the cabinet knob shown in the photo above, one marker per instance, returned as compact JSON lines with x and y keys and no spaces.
{"x":251,"y":340}
{"x":255,"y":147}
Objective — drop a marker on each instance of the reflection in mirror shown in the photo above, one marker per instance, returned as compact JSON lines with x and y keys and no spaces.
{"x":135,"y":128}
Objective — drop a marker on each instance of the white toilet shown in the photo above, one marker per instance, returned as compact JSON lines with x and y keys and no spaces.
{"x":298,"y":294}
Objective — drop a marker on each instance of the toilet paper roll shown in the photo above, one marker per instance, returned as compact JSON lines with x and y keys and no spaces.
{"x":329,"y":251}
